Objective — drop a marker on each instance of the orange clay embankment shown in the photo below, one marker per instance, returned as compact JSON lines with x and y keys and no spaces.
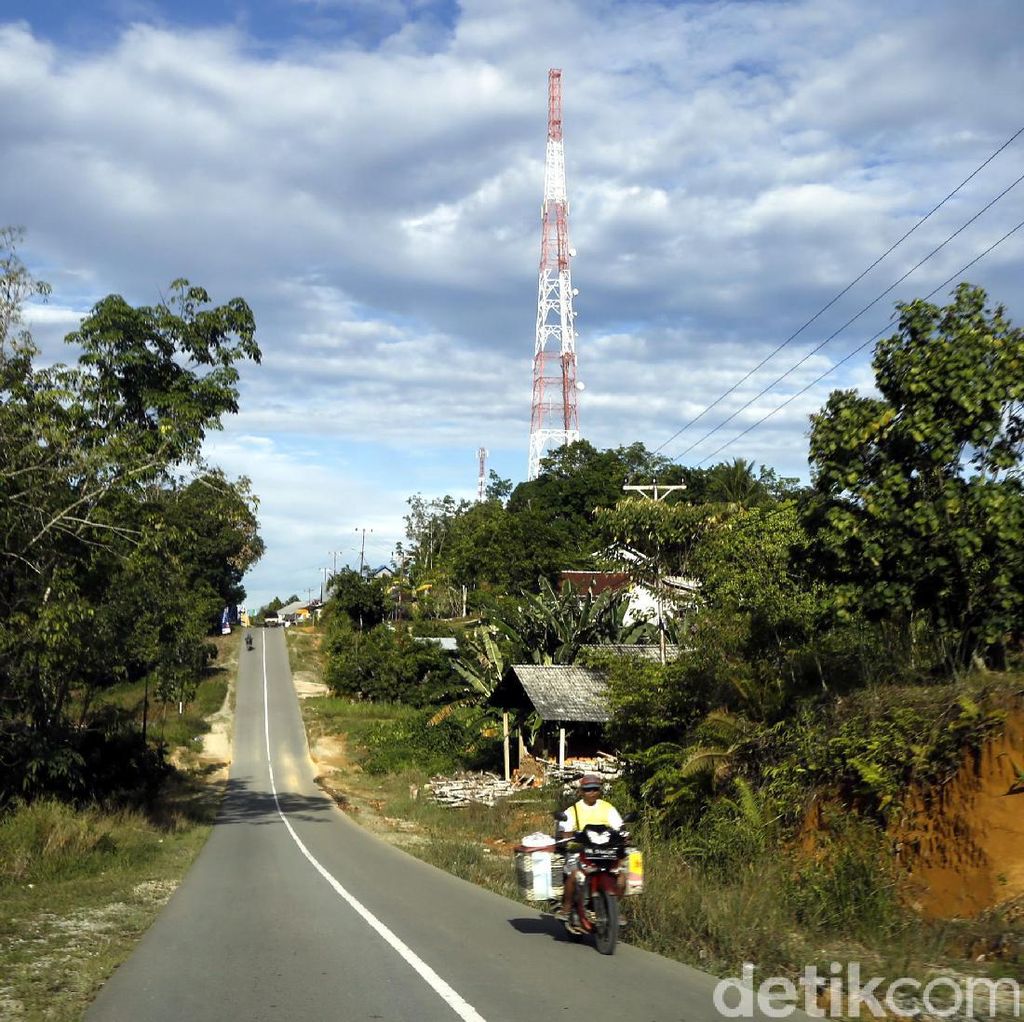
{"x":962,"y":844}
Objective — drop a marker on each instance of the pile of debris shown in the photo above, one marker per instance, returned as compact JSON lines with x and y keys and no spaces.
{"x":606,"y":766}
{"x":465,"y":789}
{"x":468,"y":789}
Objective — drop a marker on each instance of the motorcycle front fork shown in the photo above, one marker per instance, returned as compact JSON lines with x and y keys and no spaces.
{"x":582,"y":917}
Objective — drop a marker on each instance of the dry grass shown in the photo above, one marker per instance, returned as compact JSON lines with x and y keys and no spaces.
{"x":80,"y":887}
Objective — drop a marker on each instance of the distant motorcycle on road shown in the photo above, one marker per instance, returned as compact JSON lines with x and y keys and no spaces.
{"x":248,"y":642}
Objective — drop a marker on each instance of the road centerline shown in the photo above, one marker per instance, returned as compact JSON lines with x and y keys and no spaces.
{"x":445,"y":991}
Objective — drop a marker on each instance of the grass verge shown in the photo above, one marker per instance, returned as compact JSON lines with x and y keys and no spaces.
{"x":304,"y":651}
{"x":78,"y":888}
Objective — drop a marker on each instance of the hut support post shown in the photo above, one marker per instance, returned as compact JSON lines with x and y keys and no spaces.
{"x":561,"y":748}
{"x":504,"y":735}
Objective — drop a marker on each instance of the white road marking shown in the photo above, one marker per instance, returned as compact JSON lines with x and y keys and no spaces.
{"x":458,"y":1004}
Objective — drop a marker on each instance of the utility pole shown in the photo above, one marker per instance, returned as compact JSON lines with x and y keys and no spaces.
{"x":651,"y":491}
{"x":554,"y":420}
{"x":362,"y":549}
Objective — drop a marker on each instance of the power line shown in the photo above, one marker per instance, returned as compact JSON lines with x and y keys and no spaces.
{"x":700,"y":415}
{"x":852,"y":319}
{"x":858,"y":349}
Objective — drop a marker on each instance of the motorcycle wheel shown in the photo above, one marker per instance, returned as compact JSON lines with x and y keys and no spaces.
{"x":606,"y":922}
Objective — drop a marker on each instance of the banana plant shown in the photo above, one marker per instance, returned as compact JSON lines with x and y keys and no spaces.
{"x":550,"y":627}
{"x":482,"y":664}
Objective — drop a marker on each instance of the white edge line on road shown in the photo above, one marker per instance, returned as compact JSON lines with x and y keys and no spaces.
{"x":459,"y":1005}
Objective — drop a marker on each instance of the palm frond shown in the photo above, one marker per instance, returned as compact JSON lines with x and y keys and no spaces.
{"x":702,"y":759}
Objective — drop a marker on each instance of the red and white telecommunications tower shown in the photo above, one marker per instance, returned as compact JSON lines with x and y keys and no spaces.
{"x":554,"y":420}
{"x":481,"y":482}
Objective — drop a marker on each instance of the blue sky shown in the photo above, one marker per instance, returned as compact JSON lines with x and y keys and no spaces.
{"x":270,"y":26}
{"x":368,"y":176}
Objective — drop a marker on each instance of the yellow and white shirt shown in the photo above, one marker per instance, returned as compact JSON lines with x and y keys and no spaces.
{"x":580,"y":815}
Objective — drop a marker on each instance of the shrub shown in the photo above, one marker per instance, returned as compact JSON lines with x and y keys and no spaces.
{"x":429,"y":741}
{"x":105,"y":760}
{"x":384,"y":664}
{"x":50,"y":840}
{"x":849,"y":884}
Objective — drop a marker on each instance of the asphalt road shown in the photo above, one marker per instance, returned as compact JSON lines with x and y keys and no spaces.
{"x":293,"y":912}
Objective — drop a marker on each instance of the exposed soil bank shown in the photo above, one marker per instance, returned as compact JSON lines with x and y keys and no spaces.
{"x":962,"y":844}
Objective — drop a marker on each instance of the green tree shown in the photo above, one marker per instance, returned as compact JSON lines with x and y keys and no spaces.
{"x":497,"y":488}
{"x":490,"y":546}
{"x":919,"y":508}
{"x":17,"y":286}
{"x":90,"y":456}
{"x":657,"y":538}
{"x":217,"y":532}
{"x":388,"y":665}
{"x":427,"y":526}
{"x":735,"y":483}
{"x":159,"y":377}
{"x":551,"y":626}
{"x":575,"y":481}
{"x":362,"y":600}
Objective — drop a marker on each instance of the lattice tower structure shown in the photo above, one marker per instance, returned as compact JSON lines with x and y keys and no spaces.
{"x":554,"y":419}
{"x":481,"y":482}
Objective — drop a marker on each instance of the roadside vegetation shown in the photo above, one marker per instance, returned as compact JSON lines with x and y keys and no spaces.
{"x":851,"y":645}
{"x":119,"y":550}
{"x":81,"y":882}
{"x":743,"y":883}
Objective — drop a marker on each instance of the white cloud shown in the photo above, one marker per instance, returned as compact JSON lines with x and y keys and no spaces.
{"x":375,"y":196}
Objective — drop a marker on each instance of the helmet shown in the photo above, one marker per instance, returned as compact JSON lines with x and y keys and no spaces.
{"x":591,"y":782}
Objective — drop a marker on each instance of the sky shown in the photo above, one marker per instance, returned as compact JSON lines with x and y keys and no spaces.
{"x":368,"y":175}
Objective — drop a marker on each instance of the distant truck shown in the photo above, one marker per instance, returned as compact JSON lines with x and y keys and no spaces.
{"x":271,"y":621}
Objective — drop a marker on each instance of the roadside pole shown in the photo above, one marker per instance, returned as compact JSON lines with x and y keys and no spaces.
{"x":652,"y":491}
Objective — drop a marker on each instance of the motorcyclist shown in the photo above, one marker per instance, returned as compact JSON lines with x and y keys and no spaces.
{"x":590,"y":809}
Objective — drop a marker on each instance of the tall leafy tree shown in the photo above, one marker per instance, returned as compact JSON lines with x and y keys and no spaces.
{"x":919,"y":508}
{"x":490,"y":546}
{"x":216,"y":531}
{"x":364,"y":601}
{"x":98,"y":578}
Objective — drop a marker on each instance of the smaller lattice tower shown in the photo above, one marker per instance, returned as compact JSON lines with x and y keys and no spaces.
{"x":481,"y":482}
{"x":554,"y":420}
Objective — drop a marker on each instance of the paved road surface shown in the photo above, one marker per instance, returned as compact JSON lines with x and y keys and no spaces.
{"x":293,"y":912}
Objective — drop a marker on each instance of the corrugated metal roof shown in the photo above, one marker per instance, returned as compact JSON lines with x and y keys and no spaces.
{"x":596,"y":582}
{"x":635,"y":649}
{"x":448,"y":643}
{"x":560,"y":692}
{"x":682,"y":582}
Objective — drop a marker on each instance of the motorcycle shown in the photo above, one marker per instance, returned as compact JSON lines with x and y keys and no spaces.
{"x":595,"y":910}
{"x":248,"y":642}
